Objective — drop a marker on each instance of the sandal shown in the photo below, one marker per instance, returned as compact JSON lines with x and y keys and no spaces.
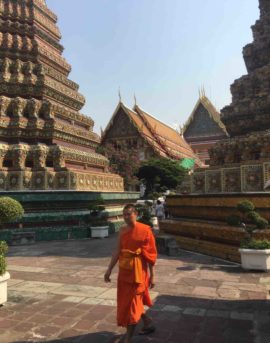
{"x":147,"y":331}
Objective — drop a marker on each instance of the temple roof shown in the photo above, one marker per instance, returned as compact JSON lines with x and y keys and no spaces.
{"x":212,"y":114}
{"x":166,"y":141}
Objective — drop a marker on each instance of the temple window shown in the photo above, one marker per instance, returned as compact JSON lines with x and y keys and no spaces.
{"x":9,"y":111}
{"x":41,"y":114}
{"x":49,"y":163}
{"x":7,"y":163}
{"x":26,"y":112}
{"x":29,"y":163}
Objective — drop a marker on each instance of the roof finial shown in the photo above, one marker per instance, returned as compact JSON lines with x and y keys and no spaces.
{"x":135,"y":100}
{"x":119,"y":94}
{"x":181,"y":130}
{"x":203,"y":91}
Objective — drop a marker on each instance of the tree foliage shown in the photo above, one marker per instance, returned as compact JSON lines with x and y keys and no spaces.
{"x":144,"y":214}
{"x":158,"y":175}
{"x":247,"y":215}
{"x":123,"y":161}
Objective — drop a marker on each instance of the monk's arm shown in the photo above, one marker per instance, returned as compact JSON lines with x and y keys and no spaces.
{"x":152,"y":275}
{"x":114,"y":259}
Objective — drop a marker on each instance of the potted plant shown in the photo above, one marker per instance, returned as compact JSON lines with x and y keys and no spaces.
{"x":255,"y":254}
{"x":10,"y":210}
{"x":4,"y":275}
{"x":98,"y":223}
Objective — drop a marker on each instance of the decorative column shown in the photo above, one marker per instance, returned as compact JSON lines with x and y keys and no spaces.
{"x":58,"y":159}
{"x":19,"y":153}
{"x":40,"y":153}
{"x":4,"y":103}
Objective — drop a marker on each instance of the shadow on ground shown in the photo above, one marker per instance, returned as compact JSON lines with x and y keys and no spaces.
{"x":97,"y":337}
{"x":84,"y":248}
{"x":195,"y":320}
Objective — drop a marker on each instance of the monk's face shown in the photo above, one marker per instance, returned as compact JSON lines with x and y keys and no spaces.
{"x":130,"y":216}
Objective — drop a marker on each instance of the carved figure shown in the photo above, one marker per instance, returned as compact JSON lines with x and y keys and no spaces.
{"x":4,"y":103}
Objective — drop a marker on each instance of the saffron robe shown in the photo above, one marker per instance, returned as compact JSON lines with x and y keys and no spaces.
{"x":137,"y":250}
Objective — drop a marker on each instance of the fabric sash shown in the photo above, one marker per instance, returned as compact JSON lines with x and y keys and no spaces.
{"x":131,"y":260}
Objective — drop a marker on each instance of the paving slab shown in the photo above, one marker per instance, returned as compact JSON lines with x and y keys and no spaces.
{"x":57,"y":294}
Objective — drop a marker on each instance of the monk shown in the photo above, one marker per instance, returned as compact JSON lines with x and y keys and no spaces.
{"x":137,"y":254}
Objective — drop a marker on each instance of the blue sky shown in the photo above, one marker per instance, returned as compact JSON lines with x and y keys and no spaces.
{"x":162,"y":50}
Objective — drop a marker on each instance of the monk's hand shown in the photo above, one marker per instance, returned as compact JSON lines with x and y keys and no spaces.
{"x":152,"y":281}
{"x":107,"y":276}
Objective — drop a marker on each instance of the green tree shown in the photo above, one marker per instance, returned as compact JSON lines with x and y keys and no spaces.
{"x":158,"y":175}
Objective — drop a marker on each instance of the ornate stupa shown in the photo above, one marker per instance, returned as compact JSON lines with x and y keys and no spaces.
{"x":45,"y":142}
{"x":241,"y":163}
{"x":250,"y":108}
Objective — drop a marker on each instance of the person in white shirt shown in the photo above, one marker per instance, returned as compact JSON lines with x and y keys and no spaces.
{"x":160,"y":212}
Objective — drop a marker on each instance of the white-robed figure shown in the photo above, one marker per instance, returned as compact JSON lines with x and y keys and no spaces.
{"x":142,"y":190}
{"x":160,"y":212}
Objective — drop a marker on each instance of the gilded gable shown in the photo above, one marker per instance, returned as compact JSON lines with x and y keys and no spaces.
{"x":202,"y":125}
{"x":121,"y":127}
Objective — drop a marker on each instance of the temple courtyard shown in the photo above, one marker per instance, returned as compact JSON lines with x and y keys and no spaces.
{"x":57,"y":294}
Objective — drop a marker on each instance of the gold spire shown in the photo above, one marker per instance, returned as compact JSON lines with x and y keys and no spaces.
{"x":119,"y":94}
{"x":202,"y":92}
{"x":135,"y":100}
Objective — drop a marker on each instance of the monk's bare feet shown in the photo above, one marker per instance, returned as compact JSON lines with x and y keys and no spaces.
{"x":147,"y":321}
{"x":148,"y":326}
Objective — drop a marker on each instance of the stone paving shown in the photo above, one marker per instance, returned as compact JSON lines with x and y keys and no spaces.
{"x":57,"y":294}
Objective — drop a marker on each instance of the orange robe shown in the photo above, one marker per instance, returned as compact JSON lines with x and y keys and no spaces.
{"x":137,"y":249}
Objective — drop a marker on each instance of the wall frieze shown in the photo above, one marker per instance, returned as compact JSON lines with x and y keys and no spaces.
{"x":76,"y":116}
{"x":66,"y":180}
{"x":48,"y":24}
{"x":20,"y":152}
{"x":37,"y":91}
{"x":60,"y":77}
{"x":45,"y":130}
{"x":51,"y":56}
{"x":64,"y":90}
{"x":74,"y":140}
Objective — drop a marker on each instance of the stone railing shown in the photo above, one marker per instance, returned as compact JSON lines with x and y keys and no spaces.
{"x":234,"y":179}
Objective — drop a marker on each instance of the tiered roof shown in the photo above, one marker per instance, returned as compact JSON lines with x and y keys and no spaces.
{"x":166,"y":141}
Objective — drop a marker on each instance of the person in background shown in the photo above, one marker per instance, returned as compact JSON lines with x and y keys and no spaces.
{"x":160,"y":213}
{"x":166,"y":211}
